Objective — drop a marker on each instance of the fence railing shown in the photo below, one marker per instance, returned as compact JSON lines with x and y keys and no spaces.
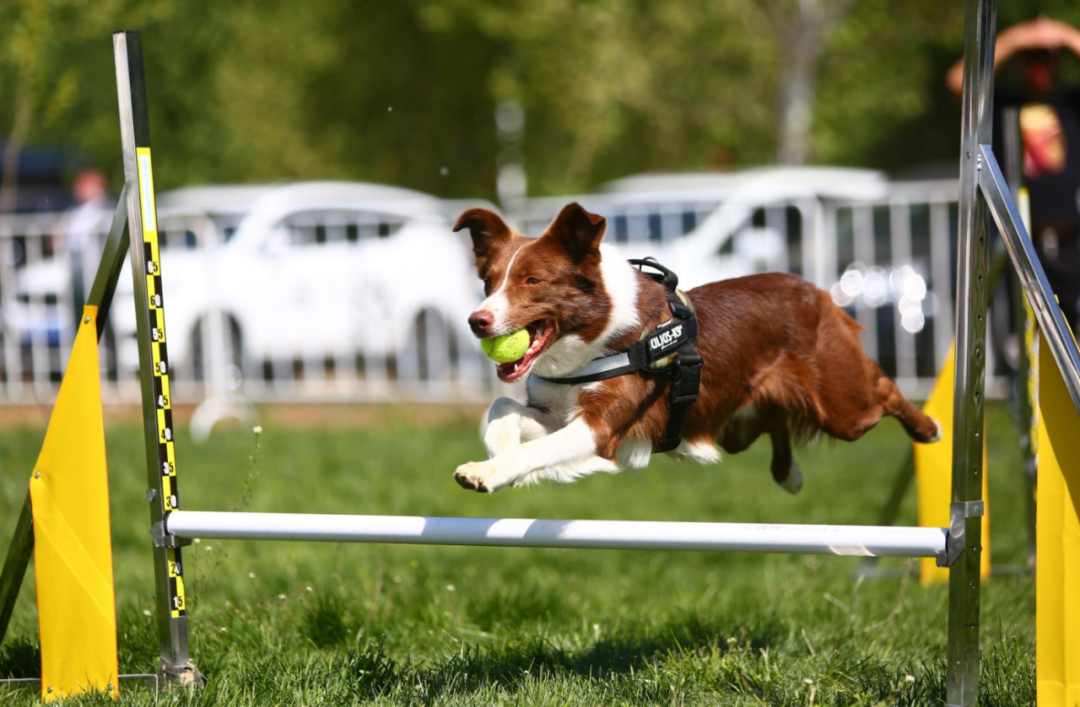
{"x":887,"y":259}
{"x":48,"y":260}
{"x":892,"y":264}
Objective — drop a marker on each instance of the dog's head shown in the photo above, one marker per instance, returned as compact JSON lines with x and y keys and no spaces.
{"x":553,"y":286}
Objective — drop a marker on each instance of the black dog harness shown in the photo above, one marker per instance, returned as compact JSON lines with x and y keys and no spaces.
{"x":668,"y":349}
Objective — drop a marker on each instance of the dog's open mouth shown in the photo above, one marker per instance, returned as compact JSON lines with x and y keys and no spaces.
{"x":540,"y":334}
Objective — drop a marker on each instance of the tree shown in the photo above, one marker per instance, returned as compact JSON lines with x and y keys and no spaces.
{"x":40,"y":92}
{"x":45,"y":75}
{"x":405,"y":92}
{"x":806,"y":31}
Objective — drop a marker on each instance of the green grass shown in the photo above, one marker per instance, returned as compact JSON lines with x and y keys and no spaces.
{"x":326,"y":624}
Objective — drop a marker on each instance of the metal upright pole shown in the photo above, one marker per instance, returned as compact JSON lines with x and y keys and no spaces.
{"x":1012,"y":166}
{"x":1054,"y":331}
{"x":162,"y":494}
{"x":1012,"y":148}
{"x":112,"y":261}
{"x":18,"y":557}
{"x":965,"y":527}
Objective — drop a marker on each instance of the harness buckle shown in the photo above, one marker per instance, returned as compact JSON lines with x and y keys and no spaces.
{"x":686,"y":377}
{"x":680,"y":310}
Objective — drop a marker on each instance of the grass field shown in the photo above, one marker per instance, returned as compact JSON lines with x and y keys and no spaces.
{"x":326,"y":624}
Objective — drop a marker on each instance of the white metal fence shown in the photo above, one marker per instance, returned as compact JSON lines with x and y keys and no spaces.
{"x":47,"y":268}
{"x":41,"y":277}
{"x":887,"y":257}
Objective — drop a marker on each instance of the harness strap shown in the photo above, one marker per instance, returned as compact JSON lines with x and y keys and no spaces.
{"x":685,"y":382}
{"x":667,"y":350}
{"x":600,"y":369}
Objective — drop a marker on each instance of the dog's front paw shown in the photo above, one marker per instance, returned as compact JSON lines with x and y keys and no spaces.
{"x":475,"y":477}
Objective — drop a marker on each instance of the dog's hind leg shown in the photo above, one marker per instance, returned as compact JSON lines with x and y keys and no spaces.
{"x":749,"y":424}
{"x":920,"y":426}
{"x":784,"y":469}
{"x":743,"y":430}
{"x":848,"y":405}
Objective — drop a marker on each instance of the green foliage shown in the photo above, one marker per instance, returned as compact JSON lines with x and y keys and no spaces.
{"x":334,"y":624}
{"x":404,"y":92}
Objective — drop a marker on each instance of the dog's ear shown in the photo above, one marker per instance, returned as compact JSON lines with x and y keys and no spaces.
{"x":488,"y":231}
{"x":577,"y":231}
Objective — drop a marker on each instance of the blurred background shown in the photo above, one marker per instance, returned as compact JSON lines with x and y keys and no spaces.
{"x":309,"y":166}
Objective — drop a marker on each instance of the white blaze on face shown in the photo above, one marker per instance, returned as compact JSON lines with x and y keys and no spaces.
{"x":498,"y":303}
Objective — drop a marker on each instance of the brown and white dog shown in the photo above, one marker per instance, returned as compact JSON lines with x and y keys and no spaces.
{"x":780,"y":358}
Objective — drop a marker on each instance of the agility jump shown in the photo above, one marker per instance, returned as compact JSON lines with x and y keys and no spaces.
{"x":67,"y":527}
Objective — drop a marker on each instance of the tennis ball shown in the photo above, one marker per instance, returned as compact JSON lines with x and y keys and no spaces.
{"x":507,"y":348}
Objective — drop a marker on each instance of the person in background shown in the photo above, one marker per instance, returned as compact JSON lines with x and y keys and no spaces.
{"x":84,"y":223}
{"x":1050,"y":137}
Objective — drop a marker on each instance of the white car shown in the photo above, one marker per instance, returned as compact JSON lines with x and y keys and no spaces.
{"x":40,"y":312}
{"x":314,"y":272}
{"x":225,"y":206}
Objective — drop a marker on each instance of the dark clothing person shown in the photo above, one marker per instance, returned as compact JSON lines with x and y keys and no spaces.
{"x":1049,"y":118}
{"x":1050,"y":142}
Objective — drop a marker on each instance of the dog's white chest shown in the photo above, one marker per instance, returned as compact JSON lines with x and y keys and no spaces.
{"x":561,"y":401}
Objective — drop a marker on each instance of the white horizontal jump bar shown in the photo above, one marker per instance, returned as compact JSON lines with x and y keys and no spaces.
{"x":864,"y":540}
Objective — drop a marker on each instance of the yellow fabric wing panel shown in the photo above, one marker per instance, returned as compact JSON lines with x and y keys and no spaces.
{"x":69,"y":491}
{"x":933,"y":475}
{"x":1057,"y":573}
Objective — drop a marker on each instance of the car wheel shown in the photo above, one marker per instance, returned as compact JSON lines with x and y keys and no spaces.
{"x":432,"y":351}
{"x":234,"y":352}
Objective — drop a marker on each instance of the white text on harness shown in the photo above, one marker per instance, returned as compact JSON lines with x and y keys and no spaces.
{"x":666,"y":338}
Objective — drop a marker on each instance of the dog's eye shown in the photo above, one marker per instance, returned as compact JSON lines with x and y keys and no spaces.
{"x":532,"y":281}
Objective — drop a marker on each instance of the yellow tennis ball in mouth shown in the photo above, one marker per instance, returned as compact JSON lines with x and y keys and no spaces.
{"x":506,"y":348}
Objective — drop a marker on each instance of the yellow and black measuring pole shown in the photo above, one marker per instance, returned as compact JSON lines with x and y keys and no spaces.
{"x":162,"y":493}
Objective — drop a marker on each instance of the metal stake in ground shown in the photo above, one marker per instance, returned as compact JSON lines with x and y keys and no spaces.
{"x":163,"y":494}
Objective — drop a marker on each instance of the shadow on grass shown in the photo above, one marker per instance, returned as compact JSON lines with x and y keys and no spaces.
{"x":513,"y":605}
{"x":624,"y":653}
{"x":20,"y":658}
{"x":644,"y":665}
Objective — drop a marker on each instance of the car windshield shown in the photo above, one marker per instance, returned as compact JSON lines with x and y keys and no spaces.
{"x":320,"y":227}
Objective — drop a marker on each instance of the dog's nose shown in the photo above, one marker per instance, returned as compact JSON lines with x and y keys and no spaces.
{"x":480,"y":321}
